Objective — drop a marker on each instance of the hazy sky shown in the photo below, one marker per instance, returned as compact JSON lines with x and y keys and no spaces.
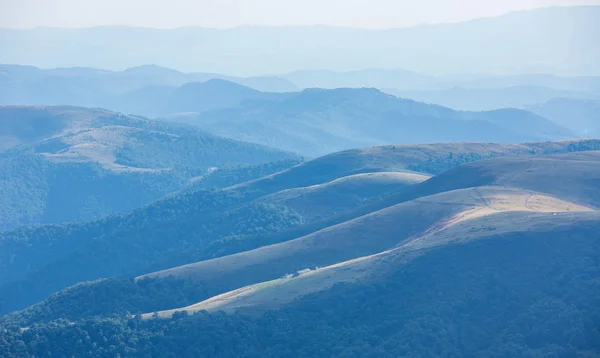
{"x":230,"y":13}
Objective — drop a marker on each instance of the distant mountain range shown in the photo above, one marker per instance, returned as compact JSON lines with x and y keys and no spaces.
{"x":581,"y":115}
{"x":311,"y":122}
{"x":28,"y":85}
{"x":484,"y":99}
{"x":430,"y":49}
{"x":315,"y":122}
{"x":155,"y":91}
{"x":61,"y":164}
{"x":403,"y":80}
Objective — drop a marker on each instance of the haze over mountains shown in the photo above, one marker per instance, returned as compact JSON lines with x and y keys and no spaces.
{"x":581,"y":115}
{"x":258,"y":50}
{"x":422,"y":192}
{"x":315,"y":122}
{"x":311,"y":122}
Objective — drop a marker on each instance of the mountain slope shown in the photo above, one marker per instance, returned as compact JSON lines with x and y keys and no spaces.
{"x":423,"y":158}
{"x":499,"y":227}
{"x":521,"y":295}
{"x":315,"y":122}
{"x":371,"y":245}
{"x":580,"y":115}
{"x":393,"y":226}
{"x":63,"y":164}
{"x":199,"y":225}
{"x":342,"y":194}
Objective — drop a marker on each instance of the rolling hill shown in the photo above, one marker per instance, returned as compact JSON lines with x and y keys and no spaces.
{"x":393,"y":226}
{"x":62,"y":164}
{"x":421,"y":158}
{"x":316,"y":122}
{"x":342,"y":194}
{"x":200,"y":225}
{"x":498,"y":247}
{"x":500,"y":227}
{"x":531,"y":293}
{"x":493,"y":260}
{"x":575,"y":178}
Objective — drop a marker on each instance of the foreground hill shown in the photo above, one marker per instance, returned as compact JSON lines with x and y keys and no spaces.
{"x":61,"y":164}
{"x":499,"y":259}
{"x":198,"y":225}
{"x":524,"y":223}
{"x":525,"y":295}
{"x":392,"y":226}
{"x":316,"y":122}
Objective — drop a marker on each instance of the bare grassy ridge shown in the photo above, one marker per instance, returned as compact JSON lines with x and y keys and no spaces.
{"x":421,"y":158}
{"x":374,"y":226}
{"x":322,"y":200}
{"x":367,"y":235}
{"x":499,"y":225}
{"x":490,"y":198}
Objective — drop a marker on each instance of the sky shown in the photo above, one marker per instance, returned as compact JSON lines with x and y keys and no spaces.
{"x":232,"y":13}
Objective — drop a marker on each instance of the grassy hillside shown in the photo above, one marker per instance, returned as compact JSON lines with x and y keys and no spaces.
{"x":63,"y":164}
{"x":504,"y":226}
{"x":423,"y":158}
{"x":366,"y":235}
{"x":201,"y":225}
{"x":344,"y":193}
{"x":527,"y":294}
{"x":573,"y":177}
{"x":500,"y":247}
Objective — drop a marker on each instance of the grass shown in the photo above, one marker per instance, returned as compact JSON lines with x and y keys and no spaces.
{"x":473,"y":212}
